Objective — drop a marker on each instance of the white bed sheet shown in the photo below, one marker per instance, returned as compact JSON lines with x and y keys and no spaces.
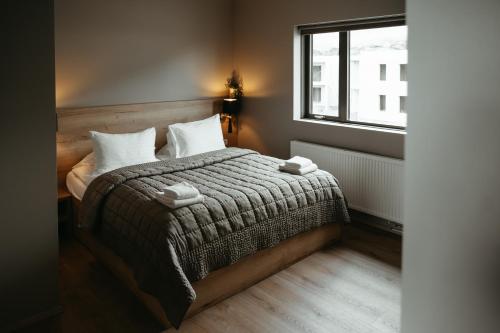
{"x":75,"y":186}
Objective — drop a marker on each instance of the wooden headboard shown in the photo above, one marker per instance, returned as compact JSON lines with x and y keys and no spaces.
{"x":73,"y":140}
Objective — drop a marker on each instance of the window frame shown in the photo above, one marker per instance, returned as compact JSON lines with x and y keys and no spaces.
{"x":343,"y":28}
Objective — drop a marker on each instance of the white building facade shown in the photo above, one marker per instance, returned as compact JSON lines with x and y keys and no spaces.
{"x":377,"y":81}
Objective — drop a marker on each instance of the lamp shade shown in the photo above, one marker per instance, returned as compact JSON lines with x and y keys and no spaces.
{"x":230,"y":106}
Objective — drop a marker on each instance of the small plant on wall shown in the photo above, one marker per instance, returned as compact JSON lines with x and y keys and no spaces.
{"x":235,"y":85}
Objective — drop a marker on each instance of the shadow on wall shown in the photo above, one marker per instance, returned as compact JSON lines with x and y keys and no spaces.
{"x":256,"y":122}
{"x":122,"y":52}
{"x":96,"y":85}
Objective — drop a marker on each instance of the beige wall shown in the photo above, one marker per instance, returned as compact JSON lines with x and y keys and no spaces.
{"x":129,"y":51}
{"x":263,"y":52}
{"x":125,"y":51}
{"x":28,"y":222}
{"x":451,"y":268}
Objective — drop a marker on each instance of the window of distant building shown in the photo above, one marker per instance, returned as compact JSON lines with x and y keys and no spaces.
{"x":402,"y":72}
{"x":382,"y":99}
{"x":316,"y":73}
{"x":402,"y":104}
{"x":383,"y":72}
{"x":316,"y":95}
{"x":358,"y":72}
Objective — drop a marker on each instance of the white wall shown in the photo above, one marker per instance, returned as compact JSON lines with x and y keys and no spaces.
{"x":451,"y":266}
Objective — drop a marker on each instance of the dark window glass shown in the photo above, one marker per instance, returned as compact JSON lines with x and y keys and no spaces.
{"x":316,"y":95}
{"x":383,"y":72}
{"x":316,"y":73}
{"x":402,"y":104}
{"x":382,"y":99}
{"x":402,"y":72}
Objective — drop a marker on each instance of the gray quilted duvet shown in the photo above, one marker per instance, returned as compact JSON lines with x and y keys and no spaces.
{"x":249,"y":205}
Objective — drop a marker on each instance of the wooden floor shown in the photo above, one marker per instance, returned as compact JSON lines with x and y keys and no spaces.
{"x":350,"y":287}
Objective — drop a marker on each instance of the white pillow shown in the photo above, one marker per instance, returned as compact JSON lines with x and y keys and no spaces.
{"x":186,"y":139}
{"x":171,"y":146}
{"x":164,"y":153}
{"x":113,"y":151}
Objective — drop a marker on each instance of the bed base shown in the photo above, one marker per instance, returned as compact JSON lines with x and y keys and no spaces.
{"x":226,"y":281}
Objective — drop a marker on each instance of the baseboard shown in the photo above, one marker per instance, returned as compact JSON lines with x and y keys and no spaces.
{"x":376,"y":222}
{"x":54,"y":311}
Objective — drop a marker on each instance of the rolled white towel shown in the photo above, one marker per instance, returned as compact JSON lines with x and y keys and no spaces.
{"x":302,"y":171}
{"x":177,"y":203}
{"x":180,"y":191}
{"x":298,"y":162}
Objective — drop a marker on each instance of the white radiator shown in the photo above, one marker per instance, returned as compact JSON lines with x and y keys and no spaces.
{"x":371,"y":183}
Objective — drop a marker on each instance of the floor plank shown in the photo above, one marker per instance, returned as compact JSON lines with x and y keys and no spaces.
{"x":339,"y":289}
{"x":352,"y":287}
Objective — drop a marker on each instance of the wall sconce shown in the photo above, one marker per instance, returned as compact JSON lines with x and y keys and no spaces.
{"x":233,"y":93}
{"x":230,"y":107}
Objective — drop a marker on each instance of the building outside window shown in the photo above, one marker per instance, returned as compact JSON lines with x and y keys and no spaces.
{"x":325,"y":74}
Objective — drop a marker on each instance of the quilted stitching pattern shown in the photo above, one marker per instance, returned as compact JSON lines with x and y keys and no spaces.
{"x":249,"y":205}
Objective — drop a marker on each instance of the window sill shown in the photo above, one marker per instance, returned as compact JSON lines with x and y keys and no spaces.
{"x":353,"y":126}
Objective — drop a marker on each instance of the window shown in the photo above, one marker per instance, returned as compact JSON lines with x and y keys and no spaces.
{"x":325,"y":51}
{"x":402,"y":72}
{"x":383,"y":72}
{"x":316,"y":73}
{"x":360,"y":61}
{"x":382,"y":102}
{"x":316,"y":95}
{"x":402,"y":104}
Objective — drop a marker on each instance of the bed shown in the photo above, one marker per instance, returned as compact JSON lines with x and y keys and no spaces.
{"x":255,"y":220}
